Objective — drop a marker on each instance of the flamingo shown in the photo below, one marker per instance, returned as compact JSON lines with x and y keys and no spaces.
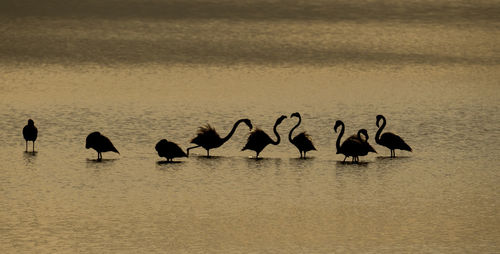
{"x":169,"y":150}
{"x":352,"y":146}
{"x":302,"y":141}
{"x":366,"y":148}
{"x":99,"y":143}
{"x":30,"y":133}
{"x":208,"y":138}
{"x":258,"y":139}
{"x":389,"y":139}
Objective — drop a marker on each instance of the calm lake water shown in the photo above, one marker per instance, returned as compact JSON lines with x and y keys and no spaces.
{"x":142,"y":71}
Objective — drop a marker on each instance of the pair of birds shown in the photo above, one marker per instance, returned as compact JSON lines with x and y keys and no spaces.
{"x":208,"y":138}
{"x":94,"y":140}
{"x":356,"y":145}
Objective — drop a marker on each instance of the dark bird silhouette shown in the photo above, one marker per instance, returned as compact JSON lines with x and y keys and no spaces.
{"x":208,"y":138}
{"x":389,"y":139}
{"x":366,"y":147}
{"x":258,"y":139}
{"x":169,"y":150}
{"x":302,"y":141}
{"x":352,"y":146}
{"x":99,"y":143}
{"x":30,"y":133}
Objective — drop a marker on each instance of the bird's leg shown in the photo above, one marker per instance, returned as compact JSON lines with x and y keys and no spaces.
{"x":344,"y":158}
{"x":33,"y":146}
{"x":208,"y":153}
{"x":26,"y":145}
{"x":300,"y":154}
{"x":304,"y":154}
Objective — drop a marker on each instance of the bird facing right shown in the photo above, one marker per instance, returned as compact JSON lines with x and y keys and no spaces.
{"x":169,"y":150}
{"x":30,"y":133}
{"x":99,"y":143}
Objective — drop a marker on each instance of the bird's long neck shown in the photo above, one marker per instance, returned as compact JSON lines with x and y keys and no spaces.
{"x":230,"y":134}
{"x":276,"y":133}
{"x":340,"y":136}
{"x":297,"y":125}
{"x":359,"y":135}
{"x":379,"y":131}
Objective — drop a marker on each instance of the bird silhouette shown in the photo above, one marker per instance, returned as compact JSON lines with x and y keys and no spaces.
{"x":30,"y":133}
{"x":302,"y":141}
{"x":389,"y":139}
{"x":169,"y":150}
{"x":352,"y":146}
{"x":208,"y":138}
{"x":99,"y":143}
{"x":258,"y":139}
{"x":366,"y":147}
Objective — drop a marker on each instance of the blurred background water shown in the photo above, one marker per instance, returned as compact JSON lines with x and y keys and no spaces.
{"x":140,"y":71}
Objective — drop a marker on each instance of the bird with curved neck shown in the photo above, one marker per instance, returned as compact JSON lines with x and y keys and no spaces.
{"x":258,"y":139}
{"x":352,"y":146}
{"x":169,"y":150}
{"x":302,"y":141}
{"x":30,"y":133}
{"x":389,"y":139}
{"x":208,"y":138}
{"x":366,"y":147}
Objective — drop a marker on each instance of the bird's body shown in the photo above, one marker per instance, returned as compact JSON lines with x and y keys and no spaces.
{"x":208,"y":138}
{"x":99,"y":143}
{"x":169,"y":150}
{"x":366,"y":147}
{"x":389,"y":139}
{"x":302,"y":141}
{"x":258,"y":139}
{"x":353,"y":146}
{"x":30,"y":133}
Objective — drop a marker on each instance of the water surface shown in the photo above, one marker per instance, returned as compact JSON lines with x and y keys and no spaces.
{"x":140,"y":76}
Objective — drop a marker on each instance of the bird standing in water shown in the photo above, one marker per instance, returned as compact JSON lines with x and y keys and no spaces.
{"x":99,"y":143}
{"x":389,"y":139}
{"x":352,"y":146}
{"x":302,"y":141}
{"x":169,"y":150}
{"x":258,"y":139}
{"x":208,"y":138}
{"x":30,"y":133}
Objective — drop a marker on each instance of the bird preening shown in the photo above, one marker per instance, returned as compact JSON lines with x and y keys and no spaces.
{"x":169,"y":150}
{"x":30,"y":133}
{"x":99,"y":143}
{"x":354,"y":146}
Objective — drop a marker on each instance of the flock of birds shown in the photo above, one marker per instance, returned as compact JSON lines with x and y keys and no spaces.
{"x":206,"y":137}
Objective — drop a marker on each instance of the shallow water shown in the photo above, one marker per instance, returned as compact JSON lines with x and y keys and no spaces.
{"x":139,"y":80}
